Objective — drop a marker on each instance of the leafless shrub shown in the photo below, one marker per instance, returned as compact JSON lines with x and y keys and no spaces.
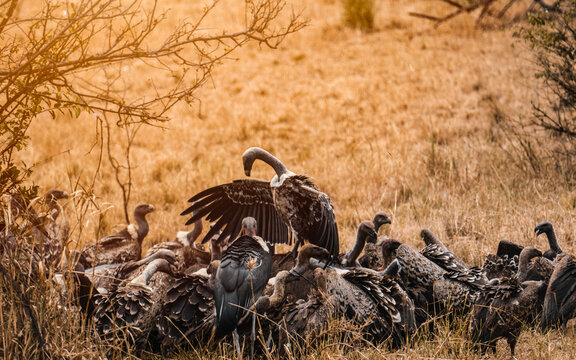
{"x":495,"y":9}
{"x":74,"y":57}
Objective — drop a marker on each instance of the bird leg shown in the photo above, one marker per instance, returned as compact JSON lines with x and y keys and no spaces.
{"x":235,"y":336}
{"x":512,"y":344}
{"x":253,"y":336}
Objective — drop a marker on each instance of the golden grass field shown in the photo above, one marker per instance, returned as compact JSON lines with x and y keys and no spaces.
{"x":401,"y":119}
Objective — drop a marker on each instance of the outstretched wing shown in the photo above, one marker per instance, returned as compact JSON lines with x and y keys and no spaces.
{"x":228,"y":204}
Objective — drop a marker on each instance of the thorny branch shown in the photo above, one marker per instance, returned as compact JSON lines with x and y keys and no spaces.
{"x":60,"y":60}
{"x":486,"y":9}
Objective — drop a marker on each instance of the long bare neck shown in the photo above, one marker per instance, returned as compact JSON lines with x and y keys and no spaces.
{"x":523,"y":265}
{"x":359,"y":244}
{"x":278,"y":295}
{"x":215,"y":251}
{"x":257,"y":153}
{"x":55,"y":208}
{"x":143,"y":226}
{"x":553,"y":241}
{"x":195,"y":233}
{"x":430,"y":238}
{"x":151,"y":269}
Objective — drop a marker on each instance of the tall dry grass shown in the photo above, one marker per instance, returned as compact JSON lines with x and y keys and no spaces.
{"x":402,"y":119}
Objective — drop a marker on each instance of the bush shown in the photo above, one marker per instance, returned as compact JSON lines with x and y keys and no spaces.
{"x":359,"y":14}
{"x":550,"y":134}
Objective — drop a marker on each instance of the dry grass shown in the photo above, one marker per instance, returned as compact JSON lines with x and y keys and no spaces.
{"x":401,"y":119}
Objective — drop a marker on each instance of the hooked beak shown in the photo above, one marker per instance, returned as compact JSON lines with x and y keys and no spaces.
{"x":247,"y":172}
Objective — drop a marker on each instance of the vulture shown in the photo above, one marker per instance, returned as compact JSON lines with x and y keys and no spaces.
{"x":56,"y":227}
{"x":304,"y":283}
{"x":371,"y":299}
{"x":109,"y":276}
{"x":505,"y":262}
{"x":510,"y":248}
{"x":505,"y":306}
{"x":438,"y":253}
{"x":183,"y":247}
{"x":240,"y":278}
{"x":123,"y":246}
{"x":366,"y":232}
{"x":560,"y":300}
{"x":281,"y":292}
{"x":500,"y":266}
{"x":547,"y":228}
{"x":502,"y":309}
{"x":188,"y":314}
{"x":428,"y":283}
{"x":131,"y":309}
{"x":287,"y":202}
{"x":372,"y":257}
{"x":532,"y":266}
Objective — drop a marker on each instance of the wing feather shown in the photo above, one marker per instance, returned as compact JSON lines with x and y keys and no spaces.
{"x":229,"y":203}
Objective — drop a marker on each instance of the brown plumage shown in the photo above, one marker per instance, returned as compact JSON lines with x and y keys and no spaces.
{"x":495,"y":266}
{"x":188,"y":314}
{"x":560,"y":300}
{"x":428,"y":284}
{"x":288,"y":201}
{"x":303,"y":284}
{"x":183,"y":247}
{"x":56,"y":227}
{"x":439,"y":253}
{"x":510,"y":248}
{"x":109,"y":276}
{"x":502,"y":309}
{"x":373,"y":300}
{"x":372,"y":257}
{"x":123,"y":246}
{"x":532,"y":266}
{"x":365,"y":233}
{"x":134,"y":307}
{"x":545,"y":227}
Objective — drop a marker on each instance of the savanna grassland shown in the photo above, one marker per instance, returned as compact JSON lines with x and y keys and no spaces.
{"x":403,"y":119}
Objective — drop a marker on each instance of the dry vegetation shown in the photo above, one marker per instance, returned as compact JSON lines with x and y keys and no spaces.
{"x":401,"y":119}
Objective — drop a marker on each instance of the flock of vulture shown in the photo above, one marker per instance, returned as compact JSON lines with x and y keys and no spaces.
{"x":184,"y":293}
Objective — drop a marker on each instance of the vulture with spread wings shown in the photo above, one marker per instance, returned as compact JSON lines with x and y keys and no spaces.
{"x":287,"y":204}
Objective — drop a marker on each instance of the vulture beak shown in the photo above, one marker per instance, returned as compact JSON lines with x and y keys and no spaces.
{"x":247,"y":172}
{"x":538,"y":230}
